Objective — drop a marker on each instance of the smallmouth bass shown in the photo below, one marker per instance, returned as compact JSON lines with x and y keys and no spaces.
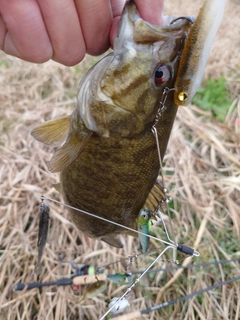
{"x":107,"y":155}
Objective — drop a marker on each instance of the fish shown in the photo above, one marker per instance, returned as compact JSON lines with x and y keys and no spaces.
{"x":120,"y":278}
{"x":144,"y":225}
{"x":105,"y":150}
{"x":197,"y":48}
{"x":94,"y":289}
{"x":42,"y":233}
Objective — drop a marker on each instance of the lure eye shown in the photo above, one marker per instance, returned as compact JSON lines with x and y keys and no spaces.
{"x":161,"y":75}
{"x":182,"y":96}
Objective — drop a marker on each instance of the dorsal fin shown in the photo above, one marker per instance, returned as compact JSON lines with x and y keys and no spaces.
{"x":53,"y":132}
{"x":64,"y":156}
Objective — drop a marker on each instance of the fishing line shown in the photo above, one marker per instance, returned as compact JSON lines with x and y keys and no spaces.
{"x":135,"y":256}
{"x":168,"y":303}
{"x":195,"y":265}
{"x":138,"y":314}
{"x":165,"y":304}
{"x":134,"y":283}
{"x":165,"y":269}
{"x":181,"y":18}
{"x":81,"y":271}
{"x":173,"y":244}
{"x":43,"y":197}
{"x":181,"y":248}
{"x":154,"y":131}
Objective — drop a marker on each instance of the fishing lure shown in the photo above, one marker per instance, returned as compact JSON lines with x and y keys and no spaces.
{"x":120,"y":306}
{"x":196,"y":50}
{"x":94,"y":289}
{"x":42,"y":233}
{"x":120,"y":278}
{"x":144,"y":226}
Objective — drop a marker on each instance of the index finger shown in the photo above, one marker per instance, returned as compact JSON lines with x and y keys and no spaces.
{"x":23,"y":33}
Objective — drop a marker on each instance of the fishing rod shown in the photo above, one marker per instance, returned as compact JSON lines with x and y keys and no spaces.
{"x":138,"y":314}
{"x":85,"y":275}
{"x":120,"y":303}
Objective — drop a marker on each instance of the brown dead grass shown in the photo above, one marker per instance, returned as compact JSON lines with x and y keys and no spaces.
{"x":204,"y":161}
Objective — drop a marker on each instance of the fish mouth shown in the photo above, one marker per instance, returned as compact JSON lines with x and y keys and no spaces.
{"x":134,"y":27}
{"x":145,"y":31}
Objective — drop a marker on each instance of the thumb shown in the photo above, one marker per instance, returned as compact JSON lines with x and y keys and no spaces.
{"x":149,"y":10}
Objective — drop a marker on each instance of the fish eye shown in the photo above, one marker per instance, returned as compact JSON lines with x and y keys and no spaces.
{"x":161,"y":75}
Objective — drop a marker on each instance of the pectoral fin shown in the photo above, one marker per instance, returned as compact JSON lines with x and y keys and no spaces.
{"x":113,"y":241}
{"x":64,"y":156}
{"x":53,"y":132}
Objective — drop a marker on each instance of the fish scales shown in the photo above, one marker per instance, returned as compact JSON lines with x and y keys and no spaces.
{"x":118,"y":176}
{"x":106,"y":153}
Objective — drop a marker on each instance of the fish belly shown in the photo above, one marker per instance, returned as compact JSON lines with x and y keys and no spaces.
{"x":111,"y":179}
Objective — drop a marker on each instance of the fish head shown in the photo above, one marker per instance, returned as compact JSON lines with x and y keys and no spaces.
{"x":144,"y":216}
{"x":125,"y":87}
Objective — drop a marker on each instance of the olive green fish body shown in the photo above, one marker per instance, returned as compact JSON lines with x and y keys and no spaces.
{"x":107,"y":154}
{"x":113,"y":181}
{"x":116,"y":171}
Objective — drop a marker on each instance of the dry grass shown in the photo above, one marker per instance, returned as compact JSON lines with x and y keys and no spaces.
{"x":202,"y":169}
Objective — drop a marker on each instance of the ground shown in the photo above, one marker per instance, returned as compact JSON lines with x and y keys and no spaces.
{"x":202,"y":168}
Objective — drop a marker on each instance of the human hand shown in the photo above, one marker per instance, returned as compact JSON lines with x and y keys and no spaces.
{"x":64,"y":30}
